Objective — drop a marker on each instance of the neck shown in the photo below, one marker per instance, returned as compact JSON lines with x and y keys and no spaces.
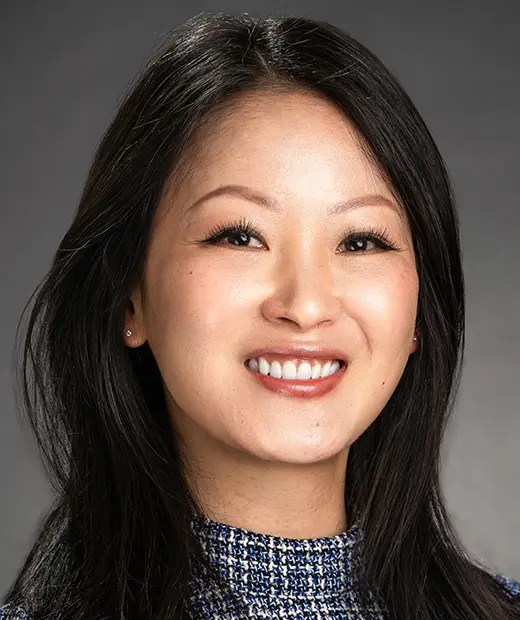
{"x":280,"y":499}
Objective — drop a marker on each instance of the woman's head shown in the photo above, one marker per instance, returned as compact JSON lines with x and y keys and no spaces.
{"x":300,"y":113}
{"x":308,"y":126}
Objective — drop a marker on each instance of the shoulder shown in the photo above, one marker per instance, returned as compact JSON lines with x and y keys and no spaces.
{"x":10,"y":612}
{"x":512,"y":586}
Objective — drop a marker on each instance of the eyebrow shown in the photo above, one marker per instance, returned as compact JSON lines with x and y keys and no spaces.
{"x":269,"y":203}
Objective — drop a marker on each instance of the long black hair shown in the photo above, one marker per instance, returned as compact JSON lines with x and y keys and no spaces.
{"x":116,"y":541}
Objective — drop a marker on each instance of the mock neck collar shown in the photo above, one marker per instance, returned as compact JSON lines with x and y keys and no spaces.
{"x":267,"y":576}
{"x":271,"y":565}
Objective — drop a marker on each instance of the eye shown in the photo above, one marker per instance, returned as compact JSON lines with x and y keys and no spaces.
{"x":361,"y":242}
{"x":240,"y":233}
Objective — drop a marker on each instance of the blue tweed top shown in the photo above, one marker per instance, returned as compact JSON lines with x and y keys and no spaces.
{"x":265,"y":576}
{"x":256,"y":575}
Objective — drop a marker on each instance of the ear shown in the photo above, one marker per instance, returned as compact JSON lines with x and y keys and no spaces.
{"x":415,"y":341}
{"x":134,"y":320}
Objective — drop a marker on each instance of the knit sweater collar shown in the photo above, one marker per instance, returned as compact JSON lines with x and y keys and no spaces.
{"x":266,"y":576}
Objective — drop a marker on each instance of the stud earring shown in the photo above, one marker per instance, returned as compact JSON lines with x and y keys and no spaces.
{"x":128,"y":332}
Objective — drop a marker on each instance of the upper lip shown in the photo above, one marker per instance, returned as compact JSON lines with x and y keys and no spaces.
{"x":312,"y":351}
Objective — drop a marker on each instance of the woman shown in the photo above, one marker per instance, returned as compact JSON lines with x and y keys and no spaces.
{"x":248,"y":345}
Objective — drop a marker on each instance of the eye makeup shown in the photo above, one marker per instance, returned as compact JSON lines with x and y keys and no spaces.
{"x":379,"y":236}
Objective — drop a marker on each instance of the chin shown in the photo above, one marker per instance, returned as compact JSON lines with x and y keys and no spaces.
{"x":299,"y":450}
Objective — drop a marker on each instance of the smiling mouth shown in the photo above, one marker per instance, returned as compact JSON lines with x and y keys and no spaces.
{"x":254,"y":368}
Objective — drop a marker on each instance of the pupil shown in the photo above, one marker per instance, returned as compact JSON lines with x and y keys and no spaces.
{"x":241,"y":236}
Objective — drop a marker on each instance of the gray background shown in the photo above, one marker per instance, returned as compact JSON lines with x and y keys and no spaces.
{"x":64,"y":66}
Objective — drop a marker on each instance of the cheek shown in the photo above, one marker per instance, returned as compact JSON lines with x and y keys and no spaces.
{"x":384,"y":304}
{"x":194,"y":301}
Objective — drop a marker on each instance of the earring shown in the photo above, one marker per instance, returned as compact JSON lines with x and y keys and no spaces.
{"x":128,"y":332}
{"x":416,"y":334}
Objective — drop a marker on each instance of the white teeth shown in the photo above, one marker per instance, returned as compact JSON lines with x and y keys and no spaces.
{"x":289,"y":370}
{"x":304,"y":371}
{"x":325,"y":369}
{"x":263,"y":366}
{"x":316,"y":371}
{"x":276,"y":370}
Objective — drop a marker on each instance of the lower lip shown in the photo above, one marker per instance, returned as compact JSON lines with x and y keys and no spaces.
{"x":309,"y":388}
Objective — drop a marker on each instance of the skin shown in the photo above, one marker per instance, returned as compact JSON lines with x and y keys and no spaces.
{"x":258,"y":460}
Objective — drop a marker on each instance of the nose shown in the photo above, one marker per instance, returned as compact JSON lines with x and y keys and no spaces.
{"x":302,"y":293}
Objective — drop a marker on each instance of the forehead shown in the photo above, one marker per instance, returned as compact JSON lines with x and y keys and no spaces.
{"x":295,"y":146}
{"x":273,"y":128}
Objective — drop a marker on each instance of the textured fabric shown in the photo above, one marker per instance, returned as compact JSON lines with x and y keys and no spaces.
{"x":512,"y":585}
{"x":8,"y":612}
{"x":265,"y":576}
{"x":270,"y":577}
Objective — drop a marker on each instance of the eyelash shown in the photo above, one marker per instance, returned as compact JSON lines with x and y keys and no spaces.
{"x":378,"y":236}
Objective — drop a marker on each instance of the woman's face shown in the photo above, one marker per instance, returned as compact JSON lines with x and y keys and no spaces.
{"x":204,"y":308}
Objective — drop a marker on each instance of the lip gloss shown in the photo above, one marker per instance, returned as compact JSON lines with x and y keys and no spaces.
{"x":308,"y":388}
